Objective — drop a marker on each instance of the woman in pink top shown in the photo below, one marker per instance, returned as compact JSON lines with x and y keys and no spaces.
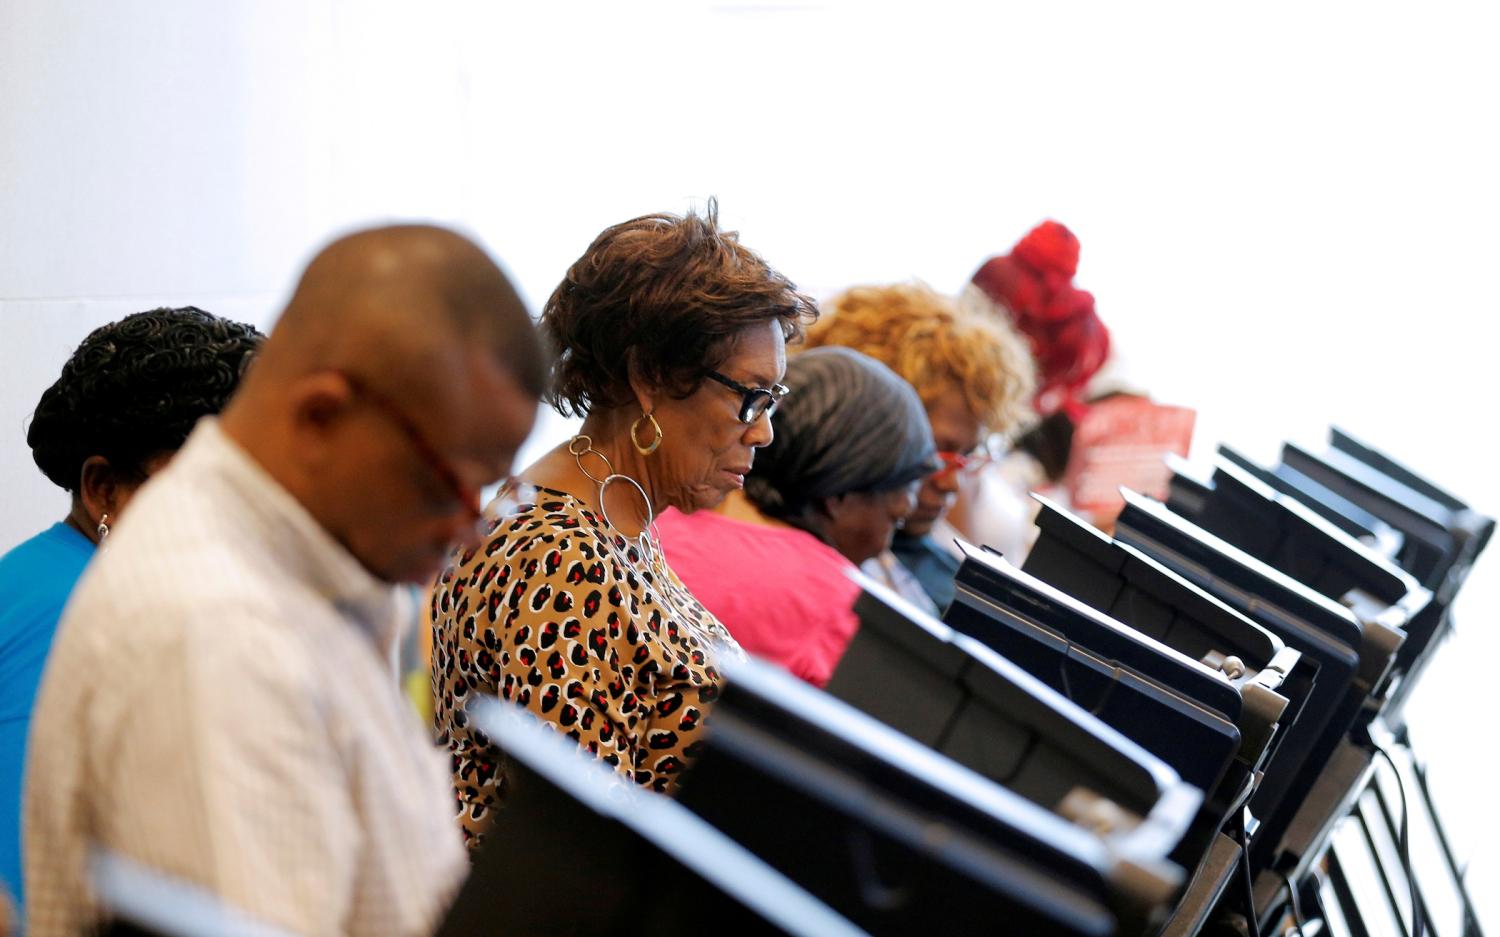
{"x":772,"y":562}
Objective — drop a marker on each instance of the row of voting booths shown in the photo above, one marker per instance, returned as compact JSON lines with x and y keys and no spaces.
{"x":1194,"y":725}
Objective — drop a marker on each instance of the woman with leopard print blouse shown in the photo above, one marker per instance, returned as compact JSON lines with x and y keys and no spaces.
{"x":669,"y":338}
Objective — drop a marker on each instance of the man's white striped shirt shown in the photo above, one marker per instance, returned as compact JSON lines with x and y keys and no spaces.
{"x":218,"y":707}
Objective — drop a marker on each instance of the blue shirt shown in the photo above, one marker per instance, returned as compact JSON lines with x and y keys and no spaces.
{"x":35,"y":581}
{"x":933,"y":566}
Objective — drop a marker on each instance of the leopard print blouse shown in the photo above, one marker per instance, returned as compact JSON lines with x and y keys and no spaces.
{"x":558,"y":613}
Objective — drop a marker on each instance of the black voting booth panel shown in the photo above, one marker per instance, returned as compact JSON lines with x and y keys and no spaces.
{"x":1484,"y":527}
{"x":1287,"y":535}
{"x":1362,"y":465}
{"x":1281,"y":531}
{"x":1176,"y":708}
{"x":1435,"y":544}
{"x":1238,"y":505}
{"x":1378,"y":482}
{"x":1346,"y":443}
{"x":1437,"y":541}
{"x":1365,"y":885}
{"x":1338,"y":510}
{"x":894,"y":836}
{"x":1326,"y":634}
{"x":958,"y":697}
{"x":1144,"y":595}
{"x":1471,"y":531}
{"x":578,"y":851}
{"x":1424,"y":610}
{"x":1442,"y":539}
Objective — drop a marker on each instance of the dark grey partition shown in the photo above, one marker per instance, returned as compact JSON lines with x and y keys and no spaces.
{"x":1282,"y":532}
{"x":1338,"y":510}
{"x":1326,"y":634}
{"x":1140,"y":592}
{"x":958,"y":697}
{"x":1176,"y":708}
{"x":577,"y":851}
{"x":1441,"y":540}
{"x":1237,"y":505}
{"x":1345,"y":442}
{"x":893,"y":835}
{"x":1431,"y":546}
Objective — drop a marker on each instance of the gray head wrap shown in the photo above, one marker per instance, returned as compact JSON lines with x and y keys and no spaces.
{"x":849,"y":425}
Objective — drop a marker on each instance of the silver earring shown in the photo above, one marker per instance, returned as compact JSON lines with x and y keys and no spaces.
{"x":103,"y":529}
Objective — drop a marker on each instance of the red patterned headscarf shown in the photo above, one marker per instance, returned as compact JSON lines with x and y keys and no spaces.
{"x":1034,"y":283}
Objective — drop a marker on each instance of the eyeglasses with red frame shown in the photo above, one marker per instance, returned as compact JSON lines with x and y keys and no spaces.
{"x":967,"y":463}
{"x":469,"y":498}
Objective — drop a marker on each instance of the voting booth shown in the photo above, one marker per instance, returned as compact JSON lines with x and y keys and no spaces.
{"x":1193,"y":724}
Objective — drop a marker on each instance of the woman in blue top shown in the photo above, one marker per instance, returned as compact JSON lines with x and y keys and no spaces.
{"x":126,"y":401}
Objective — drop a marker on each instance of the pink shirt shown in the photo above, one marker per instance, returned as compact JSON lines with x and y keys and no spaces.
{"x":783,"y":594}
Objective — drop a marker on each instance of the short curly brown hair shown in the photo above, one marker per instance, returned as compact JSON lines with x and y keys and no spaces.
{"x":935,"y":343}
{"x":666,"y":294}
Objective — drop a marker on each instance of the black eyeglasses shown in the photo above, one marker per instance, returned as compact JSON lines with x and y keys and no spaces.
{"x":758,"y":401}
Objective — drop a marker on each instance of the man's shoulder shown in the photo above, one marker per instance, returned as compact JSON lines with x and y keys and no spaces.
{"x":149,"y":575}
{"x":168,"y":602}
{"x":171,"y":657}
{"x":209,"y":660}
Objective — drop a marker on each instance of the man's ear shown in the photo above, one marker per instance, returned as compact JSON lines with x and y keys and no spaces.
{"x":318,"y":405}
{"x":319,"y":400}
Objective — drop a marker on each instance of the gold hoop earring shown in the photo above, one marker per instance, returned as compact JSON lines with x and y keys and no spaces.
{"x":640,"y":447}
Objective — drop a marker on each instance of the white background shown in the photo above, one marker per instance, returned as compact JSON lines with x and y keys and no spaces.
{"x":1287,"y":211}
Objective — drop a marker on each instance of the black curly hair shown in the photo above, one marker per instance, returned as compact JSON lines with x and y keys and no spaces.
{"x":134,"y":389}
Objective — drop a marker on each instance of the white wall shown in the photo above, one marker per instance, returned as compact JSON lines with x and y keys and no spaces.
{"x":172,"y":153}
{"x":1287,"y":213}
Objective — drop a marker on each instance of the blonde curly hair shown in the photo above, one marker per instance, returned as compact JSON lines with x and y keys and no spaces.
{"x":935,"y":344}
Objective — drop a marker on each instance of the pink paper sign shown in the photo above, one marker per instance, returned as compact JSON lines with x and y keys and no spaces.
{"x":1121,"y":442}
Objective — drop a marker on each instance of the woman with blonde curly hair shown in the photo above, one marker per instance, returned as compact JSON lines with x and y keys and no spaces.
{"x":975,"y":377}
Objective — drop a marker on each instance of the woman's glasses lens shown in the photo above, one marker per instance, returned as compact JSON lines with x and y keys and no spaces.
{"x":965,"y":463}
{"x":758,"y":403}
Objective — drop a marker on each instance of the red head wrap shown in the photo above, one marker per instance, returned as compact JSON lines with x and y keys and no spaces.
{"x":1034,"y":283}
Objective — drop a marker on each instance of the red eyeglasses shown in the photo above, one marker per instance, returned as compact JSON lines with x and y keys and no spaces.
{"x":967,"y":463}
{"x":441,"y":467}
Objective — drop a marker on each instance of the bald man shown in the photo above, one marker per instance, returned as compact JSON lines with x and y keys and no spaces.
{"x":218,"y":732}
